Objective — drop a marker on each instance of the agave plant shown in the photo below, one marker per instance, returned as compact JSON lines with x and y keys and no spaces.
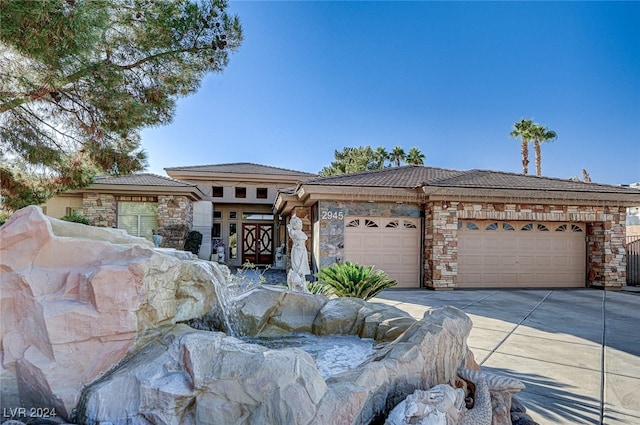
{"x":354,"y":280}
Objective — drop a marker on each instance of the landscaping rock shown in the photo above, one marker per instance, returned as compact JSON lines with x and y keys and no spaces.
{"x":73,"y":307}
{"x":191,"y":376}
{"x":271,"y":311}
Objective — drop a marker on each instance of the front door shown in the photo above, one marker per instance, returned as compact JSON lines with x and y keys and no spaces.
{"x":257,"y":243}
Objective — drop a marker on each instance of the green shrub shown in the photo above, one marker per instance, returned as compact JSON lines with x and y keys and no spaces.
{"x":353,"y":280}
{"x":193,"y":242}
{"x":4,"y":217}
{"x":320,"y":288}
{"x":76,"y":217}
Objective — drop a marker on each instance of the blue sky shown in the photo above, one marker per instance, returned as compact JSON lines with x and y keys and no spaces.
{"x":450,"y":78}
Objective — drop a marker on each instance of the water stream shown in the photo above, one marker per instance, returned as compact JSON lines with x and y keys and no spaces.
{"x":333,"y":353}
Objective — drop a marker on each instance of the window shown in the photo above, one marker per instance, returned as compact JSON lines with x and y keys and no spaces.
{"x":527,"y":227}
{"x":256,"y":216}
{"x":71,"y":211}
{"x":216,"y":231}
{"x":233,"y":241}
{"x":409,"y":225}
{"x":354,"y":223}
{"x":217,"y":191}
{"x":233,"y":215}
{"x":542,"y":228}
{"x":392,"y":224}
{"x":507,"y":227}
{"x":472,"y":226}
{"x":562,"y":228}
{"x":262,"y":192}
{"x":575,"y":228}
{"x":217,"y":214}
{"x":492,"y":226}
{"x":138,"y":218}
{"x":370,"y":223}
{"x":241,"y":192}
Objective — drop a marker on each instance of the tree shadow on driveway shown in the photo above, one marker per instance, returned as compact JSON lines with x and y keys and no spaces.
{"x":550,"y":400}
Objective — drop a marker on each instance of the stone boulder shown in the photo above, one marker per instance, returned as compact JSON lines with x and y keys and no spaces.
{"x":271,"y":311}
{"x":353,"y":316}
{"x":200,"y":377}
{"x":77,"y":299}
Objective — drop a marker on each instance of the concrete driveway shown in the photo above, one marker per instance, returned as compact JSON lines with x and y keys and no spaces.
{"x":577,"y":351}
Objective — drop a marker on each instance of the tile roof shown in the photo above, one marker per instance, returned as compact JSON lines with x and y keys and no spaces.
{"x":143,"y":179}
{"x":241,"y":168}
{"x":486,"y":179}
{"x":408,"y":177}
{"x":414,"y":176}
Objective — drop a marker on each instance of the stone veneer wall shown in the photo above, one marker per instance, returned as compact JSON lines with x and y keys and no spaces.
{"x":595,"y":249}
{"x":331,"y":218}
{"x":100,"y":208}
{"x":173,"y":210}
{"x":605,"y":226}
{"x":175,"y":220}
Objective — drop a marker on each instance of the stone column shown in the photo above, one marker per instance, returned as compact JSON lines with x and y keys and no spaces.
{"x":441,"y":246}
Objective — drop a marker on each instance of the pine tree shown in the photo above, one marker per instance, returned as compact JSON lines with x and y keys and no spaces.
{"x":79,"y":79}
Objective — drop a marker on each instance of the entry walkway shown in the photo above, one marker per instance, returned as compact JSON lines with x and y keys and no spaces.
{"x":577,"y":351}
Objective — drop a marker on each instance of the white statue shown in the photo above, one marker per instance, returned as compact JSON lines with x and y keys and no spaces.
{"x":299,"y":257}
{"x":279,"y":256}
{"x":445,"y":405}
{"x":220,"y":252}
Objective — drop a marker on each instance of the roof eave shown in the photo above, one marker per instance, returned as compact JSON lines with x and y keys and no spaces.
{"x":210,"y":176}
{"x":540,"y":196}
{"x":191,"y":192}
{"x":310,"y":195}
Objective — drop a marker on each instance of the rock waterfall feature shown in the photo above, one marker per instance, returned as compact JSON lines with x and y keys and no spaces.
{"x":96,"y":324}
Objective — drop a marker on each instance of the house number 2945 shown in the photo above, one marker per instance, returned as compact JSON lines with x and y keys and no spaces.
{"x":332,"y":215}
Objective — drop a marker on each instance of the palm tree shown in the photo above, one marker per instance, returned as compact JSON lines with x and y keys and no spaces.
{"x":415,"y":156}
{"x":524,"y":130}
{"x":541,"y":134}
{"x":380,"y":156}
{"x":397,"y":155}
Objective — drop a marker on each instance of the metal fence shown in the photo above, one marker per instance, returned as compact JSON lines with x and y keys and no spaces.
{"x":633,"y":260}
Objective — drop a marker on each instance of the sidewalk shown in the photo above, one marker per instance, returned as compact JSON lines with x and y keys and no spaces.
{"x":577,"y":351}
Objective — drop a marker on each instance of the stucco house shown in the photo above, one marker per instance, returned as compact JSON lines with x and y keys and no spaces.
{"x":444,"y":229}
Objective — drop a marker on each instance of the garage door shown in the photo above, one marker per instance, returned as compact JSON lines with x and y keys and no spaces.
{"x":521,"y":254}
{"x":389,"y":244}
